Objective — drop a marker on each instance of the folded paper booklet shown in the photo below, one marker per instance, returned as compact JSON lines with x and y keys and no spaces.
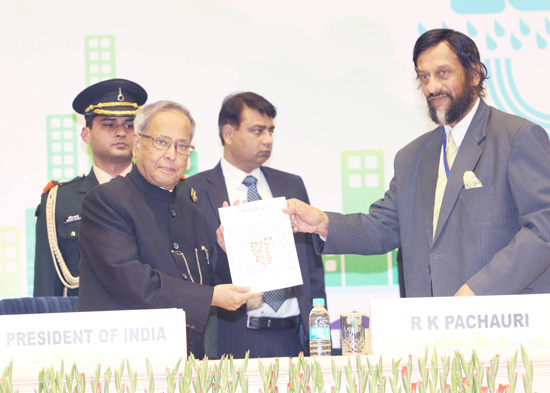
{"x":260,"y":245}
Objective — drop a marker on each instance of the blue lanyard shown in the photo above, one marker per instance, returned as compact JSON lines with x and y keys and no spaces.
{"x":445,"y":163}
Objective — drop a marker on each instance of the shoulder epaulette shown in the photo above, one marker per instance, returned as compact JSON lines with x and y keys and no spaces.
{"x":52,"y":183}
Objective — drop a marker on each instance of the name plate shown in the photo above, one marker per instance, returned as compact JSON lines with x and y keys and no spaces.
{"x":92,"y":336}
{"x":414,"y":323}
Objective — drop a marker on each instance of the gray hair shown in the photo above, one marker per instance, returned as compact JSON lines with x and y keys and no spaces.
{"x":146,"y":112}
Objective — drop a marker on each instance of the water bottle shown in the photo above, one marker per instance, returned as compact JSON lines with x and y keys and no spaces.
{"x":319,"y":329}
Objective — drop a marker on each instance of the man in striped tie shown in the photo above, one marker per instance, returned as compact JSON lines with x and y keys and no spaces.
{"x":276,"y":325}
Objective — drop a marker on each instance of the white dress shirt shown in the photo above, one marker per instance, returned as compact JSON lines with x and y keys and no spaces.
{"x":459,"y":131}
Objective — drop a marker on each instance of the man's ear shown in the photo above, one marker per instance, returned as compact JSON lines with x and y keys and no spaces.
{"x":85,"y":135}
{"x":227,"y":133}
{"x":137,"y":142}
{"x":476,"y":75}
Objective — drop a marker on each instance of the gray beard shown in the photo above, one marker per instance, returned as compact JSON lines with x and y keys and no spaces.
{"x":441,"y":117}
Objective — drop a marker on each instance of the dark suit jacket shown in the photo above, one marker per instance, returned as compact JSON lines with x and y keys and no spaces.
{"x":495,"y":238}
{"x":131,"y":234}
{"x":211,"y":193}
{"x":69,"y":203}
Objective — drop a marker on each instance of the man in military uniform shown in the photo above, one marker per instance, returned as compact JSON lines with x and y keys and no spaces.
{"x":109,"y":108}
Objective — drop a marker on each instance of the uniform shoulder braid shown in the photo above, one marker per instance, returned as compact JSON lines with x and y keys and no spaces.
{"x":67,"y":279}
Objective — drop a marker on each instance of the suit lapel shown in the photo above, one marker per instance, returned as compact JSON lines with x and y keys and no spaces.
{"x":216,"y":189}
{"x":466,"y":160}
{"x":276,"y":186}
{"x":428,"y":169}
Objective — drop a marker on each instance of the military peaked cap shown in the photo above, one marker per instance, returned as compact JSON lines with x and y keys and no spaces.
{"x":113,"y":97}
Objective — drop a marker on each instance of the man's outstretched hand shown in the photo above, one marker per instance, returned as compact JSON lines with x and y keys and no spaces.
{"x":306,"y":218}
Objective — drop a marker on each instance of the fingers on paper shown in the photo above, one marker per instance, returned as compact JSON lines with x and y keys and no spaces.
{"x":220,"y":238}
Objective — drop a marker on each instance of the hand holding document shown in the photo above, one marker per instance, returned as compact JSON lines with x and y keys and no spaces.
{"x":260,"y":245}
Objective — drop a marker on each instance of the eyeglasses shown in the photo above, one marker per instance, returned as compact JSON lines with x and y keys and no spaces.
{"x":163,"y":143}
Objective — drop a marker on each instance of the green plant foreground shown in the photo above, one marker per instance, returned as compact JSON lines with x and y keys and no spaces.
{"x":448,"y":374}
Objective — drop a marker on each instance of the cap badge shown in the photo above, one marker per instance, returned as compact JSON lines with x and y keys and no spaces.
{"x":120,"y":97}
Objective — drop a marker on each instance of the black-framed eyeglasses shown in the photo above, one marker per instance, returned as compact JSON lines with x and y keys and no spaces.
{"x":164,"y":142}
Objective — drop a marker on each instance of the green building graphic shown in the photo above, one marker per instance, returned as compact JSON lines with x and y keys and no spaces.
{"x":11,"y":269}
{"x":363,"y":182}
{"x":62,"y":148}
{"x":30,"y":236}
{"x":192,"y":165}
{"x":100,"y":58}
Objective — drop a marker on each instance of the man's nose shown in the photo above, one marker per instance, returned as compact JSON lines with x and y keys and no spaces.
{"x":122,"y":131}
{"x":267,"y":139}
{"x":171,"y":152}
{"x":432,"y":86}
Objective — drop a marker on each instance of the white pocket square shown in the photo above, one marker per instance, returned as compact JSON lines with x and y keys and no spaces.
{"x":471,"y":181}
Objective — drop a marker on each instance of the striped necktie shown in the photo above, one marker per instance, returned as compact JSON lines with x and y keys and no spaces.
{"x":450,"y":155}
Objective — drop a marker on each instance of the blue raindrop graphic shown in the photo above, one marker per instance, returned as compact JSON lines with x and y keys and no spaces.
{"x":444,"y":25}
{"x":499,"y":30}
{"x":547,"y":25}
{"x":523,"y":27}
{"x":541,"y":42}
{"x":516,"y":44}
{"x":491,"y":44}
{"x":472,"y":31}
{"x":421,"y":29}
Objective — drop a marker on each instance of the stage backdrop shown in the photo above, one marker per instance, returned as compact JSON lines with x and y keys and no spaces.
{"x":339,"y":72}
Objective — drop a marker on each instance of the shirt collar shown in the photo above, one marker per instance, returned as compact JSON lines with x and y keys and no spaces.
{"x":234,"y":176}
{"x":459,"y":130}
{"x":104,"y":177}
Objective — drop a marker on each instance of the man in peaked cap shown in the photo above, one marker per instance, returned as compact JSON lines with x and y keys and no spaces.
{"x":109,"y":108}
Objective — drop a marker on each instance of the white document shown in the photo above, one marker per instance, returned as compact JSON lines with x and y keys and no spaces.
{"x":260,"y":245}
